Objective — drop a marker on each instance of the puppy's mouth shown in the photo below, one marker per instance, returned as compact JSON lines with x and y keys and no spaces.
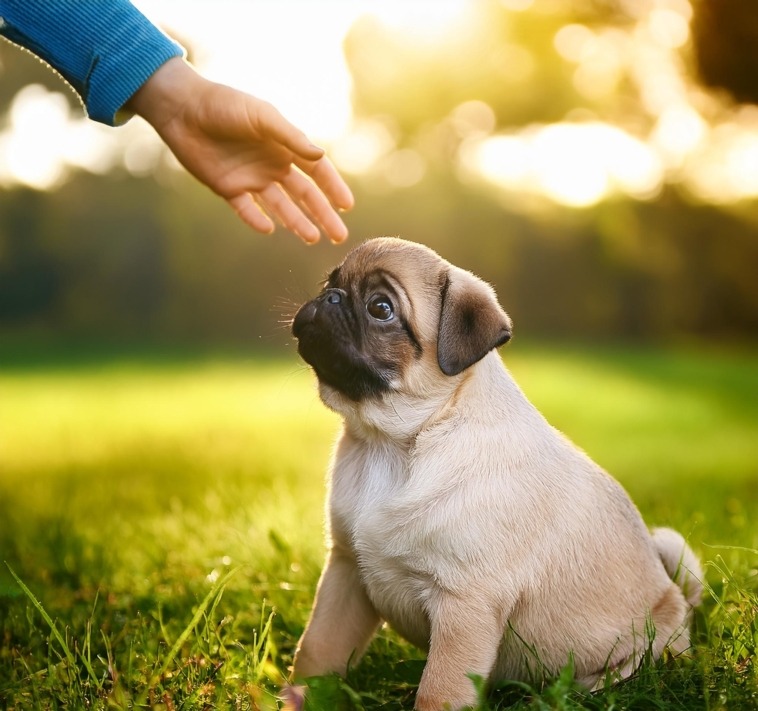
{"x":329,"y":340}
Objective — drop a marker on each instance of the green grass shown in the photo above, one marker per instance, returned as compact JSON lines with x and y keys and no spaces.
{"x":162,"y":523}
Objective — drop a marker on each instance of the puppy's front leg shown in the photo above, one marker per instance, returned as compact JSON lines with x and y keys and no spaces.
{"x":342,"y":622}
{"x":465,"y":637}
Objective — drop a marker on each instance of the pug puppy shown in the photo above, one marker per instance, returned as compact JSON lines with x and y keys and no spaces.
{"x":456,"y":513}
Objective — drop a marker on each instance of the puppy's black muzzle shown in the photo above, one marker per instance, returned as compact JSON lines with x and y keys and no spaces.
{"x":313,"y":314}
{"x":323,"y":334}
{"x":328,"y":339}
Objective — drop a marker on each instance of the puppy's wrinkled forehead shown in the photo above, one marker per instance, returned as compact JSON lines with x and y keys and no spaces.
{"x":416,"y":269}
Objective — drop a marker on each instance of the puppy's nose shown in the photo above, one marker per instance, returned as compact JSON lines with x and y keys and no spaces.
{"x":334,"y":296}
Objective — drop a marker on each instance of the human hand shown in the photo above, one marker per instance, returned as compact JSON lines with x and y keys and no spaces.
{"x":244,"y":150}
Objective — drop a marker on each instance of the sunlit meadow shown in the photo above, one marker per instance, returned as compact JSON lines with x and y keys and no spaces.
{"x":161,"y":518}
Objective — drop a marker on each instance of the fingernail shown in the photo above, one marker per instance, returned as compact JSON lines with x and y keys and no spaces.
{"x":347,"y":204}
{"x":339,"y":237}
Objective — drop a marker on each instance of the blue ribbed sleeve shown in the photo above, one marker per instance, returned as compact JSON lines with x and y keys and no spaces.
{"x":106,"y":49}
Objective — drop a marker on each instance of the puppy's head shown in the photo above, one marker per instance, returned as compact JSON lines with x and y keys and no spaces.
{"x":393,"y":307}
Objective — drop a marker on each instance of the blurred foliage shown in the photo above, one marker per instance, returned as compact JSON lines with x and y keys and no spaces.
{"x":624,"y":269}
{"x":506,"y":59}
{"x":121,"y":258}
{"x":117,"y":258}
{"x":124,"y":259}
{"x":509,"y":60}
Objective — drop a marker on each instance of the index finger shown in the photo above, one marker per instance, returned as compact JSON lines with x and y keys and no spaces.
{"x":328,"y":179}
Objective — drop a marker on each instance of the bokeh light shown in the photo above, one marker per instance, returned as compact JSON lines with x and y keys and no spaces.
{"x":681,"y":137}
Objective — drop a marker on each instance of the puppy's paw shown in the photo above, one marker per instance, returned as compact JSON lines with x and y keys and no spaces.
{"x":292,"y":697}
{"x":431,"y":702}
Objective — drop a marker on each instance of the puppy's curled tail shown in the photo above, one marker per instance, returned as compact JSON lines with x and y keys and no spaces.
{"x":680,"y":563}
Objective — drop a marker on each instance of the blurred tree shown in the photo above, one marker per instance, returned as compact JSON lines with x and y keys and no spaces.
{"x":29,"y":277}
{"x":626,"y":269}
{"x":725,"y":34}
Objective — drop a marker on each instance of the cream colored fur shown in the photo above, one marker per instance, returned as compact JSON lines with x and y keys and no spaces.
{"x":480,"y":533}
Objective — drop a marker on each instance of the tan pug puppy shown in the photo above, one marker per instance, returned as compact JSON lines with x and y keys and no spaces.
{"x":456,"y":512}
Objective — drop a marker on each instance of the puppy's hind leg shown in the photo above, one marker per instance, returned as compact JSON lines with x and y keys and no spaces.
{"x":664,"y":627}
{"x":342,"y":622}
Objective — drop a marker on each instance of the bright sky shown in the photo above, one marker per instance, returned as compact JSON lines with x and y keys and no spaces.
{"x":289,"y":52}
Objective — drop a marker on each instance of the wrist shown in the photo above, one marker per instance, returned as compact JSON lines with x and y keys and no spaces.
{"x":164,"y":94}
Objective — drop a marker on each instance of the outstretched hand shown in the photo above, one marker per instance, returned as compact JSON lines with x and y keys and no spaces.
{"x":244,"y":150}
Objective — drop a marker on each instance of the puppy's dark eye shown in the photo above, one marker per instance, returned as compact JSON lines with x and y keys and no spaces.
{"x":380,"y":308}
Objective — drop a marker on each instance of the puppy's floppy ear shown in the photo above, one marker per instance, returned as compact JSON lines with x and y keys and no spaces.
{"x":472,"y":322}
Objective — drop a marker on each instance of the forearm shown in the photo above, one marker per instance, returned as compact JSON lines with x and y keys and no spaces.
{"x":104,"y":50}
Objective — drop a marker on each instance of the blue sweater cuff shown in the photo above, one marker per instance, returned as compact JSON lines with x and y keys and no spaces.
{"x":105,"y":50}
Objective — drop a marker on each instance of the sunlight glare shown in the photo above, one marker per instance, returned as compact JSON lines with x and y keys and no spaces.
{"x":679,"y":131}
{"x":726,"y":169}
{"x":600,"y":69}
{"x":659,"y":83}
{"x":362,"y":146}
{"x":45,"y":138}
{"x":291,"y":54}
{"x":742,"y":164}
{"x":573,"y":164}
{"x":513,"y":62}
{"x":89,"y":145}
{"x":598,"y":56}
{"x":635,"y":168}
{"x":567,"y":167}
{"x":404,"y":168}
{"x":574,"y":42}
{"x":503,"y":160}
{"x":473,"y":119}
{"x":424,"y":19}
{"x":30,"y":150}
{"x":669,"y":28}
{"x":517,"y":5}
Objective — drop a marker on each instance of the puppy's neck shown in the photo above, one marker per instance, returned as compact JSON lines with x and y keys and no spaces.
{"x":399,"y":416}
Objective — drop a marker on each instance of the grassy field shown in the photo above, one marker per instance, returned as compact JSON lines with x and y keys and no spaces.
{"x":161,"y":520}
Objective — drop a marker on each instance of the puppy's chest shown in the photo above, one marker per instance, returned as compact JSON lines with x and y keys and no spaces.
{"x":371,"y":509}
{"x":366,"y":491}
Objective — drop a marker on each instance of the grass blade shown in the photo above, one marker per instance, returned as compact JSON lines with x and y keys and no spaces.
{"x":216,"y":590}
{"x":49,"y":620}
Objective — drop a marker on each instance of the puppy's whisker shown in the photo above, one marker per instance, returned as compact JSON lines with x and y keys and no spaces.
{"x":399,"y":416}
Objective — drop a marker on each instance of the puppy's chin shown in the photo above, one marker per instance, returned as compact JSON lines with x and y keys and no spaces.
{"x":339,"y":365}
{"x":337,"y":401}
{"x":332,"y":338}
{"x":356,"y":383}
